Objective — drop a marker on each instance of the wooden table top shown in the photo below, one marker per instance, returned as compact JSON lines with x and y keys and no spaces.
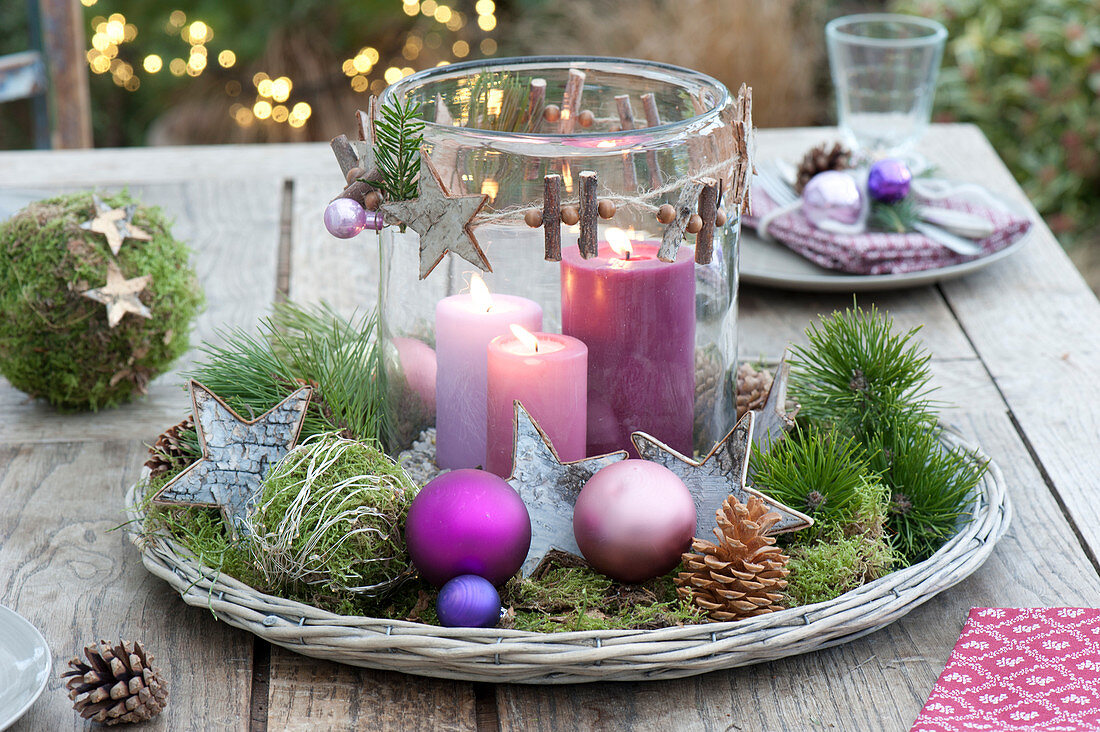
{"x":1016,"y":347}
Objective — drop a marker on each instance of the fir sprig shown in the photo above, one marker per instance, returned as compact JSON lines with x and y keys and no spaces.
{"x":399,"y":133}
{"x":896,"y":218}
{"x":856,"y":373}
{"x":930,"y":486}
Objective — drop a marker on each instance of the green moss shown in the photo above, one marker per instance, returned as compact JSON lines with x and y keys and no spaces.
{"x":56,"y":344}
{"x":830,"y":567}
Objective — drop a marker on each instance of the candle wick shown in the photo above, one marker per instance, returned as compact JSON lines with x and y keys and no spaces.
{"x":628,"y":255}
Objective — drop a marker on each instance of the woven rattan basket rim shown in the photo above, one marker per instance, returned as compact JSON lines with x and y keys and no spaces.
{"x":516,"y":656}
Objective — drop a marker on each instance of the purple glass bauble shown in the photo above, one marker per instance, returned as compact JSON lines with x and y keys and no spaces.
{"x":888,"y":180}
{"x":468,"y":601}
{"x":344,"y":218}
{"x":633,"y":520}
{"x":832,"y":196}
{"x":467,"y":522}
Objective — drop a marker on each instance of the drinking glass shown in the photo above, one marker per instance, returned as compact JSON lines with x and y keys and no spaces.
{"x":884,"y":69}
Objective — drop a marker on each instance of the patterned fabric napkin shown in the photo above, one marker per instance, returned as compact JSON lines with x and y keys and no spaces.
{"x":1020,"y":669}
{"x":877,"y":252}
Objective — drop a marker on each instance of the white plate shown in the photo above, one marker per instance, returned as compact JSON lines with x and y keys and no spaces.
{"x":771,"y":264}
{"x":24,"y":666}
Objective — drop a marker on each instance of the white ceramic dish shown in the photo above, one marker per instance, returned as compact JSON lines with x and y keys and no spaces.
{"x":25,"y":666}
{"x":771,"y":264}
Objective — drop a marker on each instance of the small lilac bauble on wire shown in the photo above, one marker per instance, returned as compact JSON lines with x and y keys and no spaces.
{"x":832,"y":196}
{"x":633,"y":520}
{"x":344,"y":218}
{"x":468,"y":601}
{"x":888,"y":180}
{"x":467,"y":522}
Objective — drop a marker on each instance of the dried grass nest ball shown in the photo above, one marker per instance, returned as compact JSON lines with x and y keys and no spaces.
{"x":56,"y":344}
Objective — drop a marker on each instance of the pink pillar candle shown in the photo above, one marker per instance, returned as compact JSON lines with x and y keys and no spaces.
{"x":550,"y":381}
{"x":463,"y":328}
{"x":637,"y":317}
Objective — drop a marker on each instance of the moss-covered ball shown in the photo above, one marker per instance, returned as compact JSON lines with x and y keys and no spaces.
{"x":55,"y":343}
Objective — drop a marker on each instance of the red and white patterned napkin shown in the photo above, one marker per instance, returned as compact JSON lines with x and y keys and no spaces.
{"x":1020,"y":669}
{"x":878,"y":252}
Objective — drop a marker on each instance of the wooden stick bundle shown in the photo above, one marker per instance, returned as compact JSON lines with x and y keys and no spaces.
{"x":626,"y":122}
{"x":551,"y":216}
{"x":571,"y":101}
{"x":589,"y":215}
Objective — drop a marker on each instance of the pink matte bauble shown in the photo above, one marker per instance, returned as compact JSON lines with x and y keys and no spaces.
{"x":418,"y":364}
{"x":467,"y":522}
{"x":633,"y":520}
{"x":832,"y":196}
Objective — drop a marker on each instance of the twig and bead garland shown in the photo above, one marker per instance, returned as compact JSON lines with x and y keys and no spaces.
{"x":708,"y":212}
{"x":674,"y":232}
{"x":551,"y":217}
{"x":588,"y":212}
{"x":626,"y":123}
{"x":536,"y":100}
{"x":653,"y":119}
{"x":571,"y":101}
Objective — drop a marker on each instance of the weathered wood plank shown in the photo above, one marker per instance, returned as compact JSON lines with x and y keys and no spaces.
{"x":877,"y":682}
{"x":233,"y":228}
{"x":63,"y":38}
{"x":64,"y":569}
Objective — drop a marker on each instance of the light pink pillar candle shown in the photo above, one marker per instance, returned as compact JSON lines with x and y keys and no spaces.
{"x":550,"y":381}
{"x":463,"y":328}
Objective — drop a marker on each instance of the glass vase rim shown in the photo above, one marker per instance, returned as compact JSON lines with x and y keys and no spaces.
{"x":722,"y":94}
{"x":936,"y":30}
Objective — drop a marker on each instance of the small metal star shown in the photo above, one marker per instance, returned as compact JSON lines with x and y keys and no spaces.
{"x":115,"y":224}
{"x":773,"y":421}
{"x":236,"y":454}
{"x":120,"y":295}
{"x":721,"y":473}
{"x":442,"y":220}
{"x":549,"y":488}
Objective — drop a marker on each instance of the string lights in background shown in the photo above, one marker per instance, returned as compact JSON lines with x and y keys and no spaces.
{"x":439,"y":34}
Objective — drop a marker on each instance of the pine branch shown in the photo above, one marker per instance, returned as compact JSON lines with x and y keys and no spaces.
{"x":897,"y":218}
{"x":399,"y":133}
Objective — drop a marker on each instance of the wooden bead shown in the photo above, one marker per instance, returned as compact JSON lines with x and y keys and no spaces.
{"x":720,"y":220}
{"x":533,"y":218}
{"x":355,"y":174}
{"x":372,"y":201}
{"x":695,"y":224}
{"x":666,"y":214}
{"x":551,"y":113}
{"x":586,"y":118}
{"x":570,"y":216}
{"x":606,"y":209}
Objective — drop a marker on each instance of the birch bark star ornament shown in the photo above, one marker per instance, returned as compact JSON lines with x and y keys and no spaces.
{"x":120,"y":295}
{"x":236,"y":454}
{"x":722,"y":473}
{"x":442,"y":220}
{"x":115,"y":224}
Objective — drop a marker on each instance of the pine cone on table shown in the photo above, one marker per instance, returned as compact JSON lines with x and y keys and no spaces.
{"x":752,"y":388}
{"x":117,"y":684}
{"x":820,"y":159}
{"x":744,"y":573}
{"x":169,"y":451}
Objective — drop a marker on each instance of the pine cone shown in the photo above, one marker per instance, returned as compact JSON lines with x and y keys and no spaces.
{"x":819,"y":160}
{"x":744,"y":574}
{"x":117,"y":684}
{"x":170,"y":451}
{"x":752,"y":388}
{"x":708,"y":378}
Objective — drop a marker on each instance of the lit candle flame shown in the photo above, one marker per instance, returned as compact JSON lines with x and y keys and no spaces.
{"x":619,"y":242}
{"x":494,"y":102}
{"x":526,"y":337}
{"x":479,"y":293}
{"x":490,"y":188}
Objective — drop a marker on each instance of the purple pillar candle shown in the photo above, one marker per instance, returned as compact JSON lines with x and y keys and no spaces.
{"x":636,"y":314}
{"x":464,"y":325}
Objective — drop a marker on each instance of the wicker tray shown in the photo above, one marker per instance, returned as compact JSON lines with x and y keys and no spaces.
{"x":524,"y":657}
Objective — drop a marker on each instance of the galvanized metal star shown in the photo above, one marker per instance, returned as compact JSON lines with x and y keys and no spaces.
{"x":721,"y":473}
{"x":120,"y":295}
{"x":549,"y":488}
{"x":115,"y":224}
{"x":236,"y":454}
{"x":773,"y":421}
{"x":442,"y":220}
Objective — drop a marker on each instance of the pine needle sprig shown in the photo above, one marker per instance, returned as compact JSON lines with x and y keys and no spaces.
{"x":824,"y":474}
{"x":930,"y":485}
{"x":857,"y":372}
{"x":498,"y":101}
{"x":399,"y":133}
{"x":896,"y":218}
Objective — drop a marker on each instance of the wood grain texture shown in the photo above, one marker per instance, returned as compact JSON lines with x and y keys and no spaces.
{"x":64,"y":569}
{"x":63,"y":39}
{"x":877,"y":682}
{"x":232,"y":227}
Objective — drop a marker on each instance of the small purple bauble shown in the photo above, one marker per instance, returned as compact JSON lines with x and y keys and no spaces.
{"x":633,"y":520}
{"x":344,"y":218}
{"x":468,"y":601}
{"x":888,"y":180}
{"x":467,"y":522}
{"x":832,"y":196}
